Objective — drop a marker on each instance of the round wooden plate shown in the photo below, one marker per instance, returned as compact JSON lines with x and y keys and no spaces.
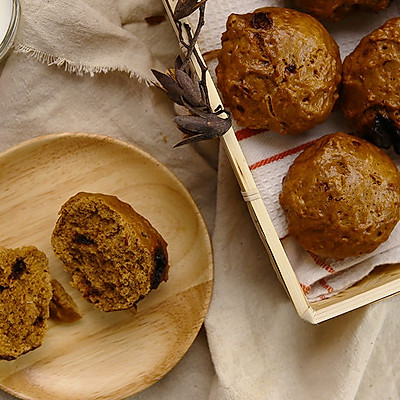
{"x":104,"y":355}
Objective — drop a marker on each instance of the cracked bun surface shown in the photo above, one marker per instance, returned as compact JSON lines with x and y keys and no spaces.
{"x":341,"y":197}
{"x":370,"y":98}
{"x":278,"y":69}
{"x":336,"y":9}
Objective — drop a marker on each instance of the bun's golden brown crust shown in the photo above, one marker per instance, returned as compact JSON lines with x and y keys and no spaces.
{"x":25,"y":293}
{"x":337,"y":9}
{"x":114,"y":254}
{"x":341,"y":197}
{"x":62,"y":306}
{"x":371,"y":84}
{"x":278,"y":69}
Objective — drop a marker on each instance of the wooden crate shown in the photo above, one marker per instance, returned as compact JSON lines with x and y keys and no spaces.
{"x":383,"y":282}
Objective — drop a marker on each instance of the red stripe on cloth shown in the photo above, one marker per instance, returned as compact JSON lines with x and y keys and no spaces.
{"x":246,"y":133}
{"x":306,"y":289}
{"x":279,"y":156}
{"x":321,"y":262}
{"x":326,"y":286}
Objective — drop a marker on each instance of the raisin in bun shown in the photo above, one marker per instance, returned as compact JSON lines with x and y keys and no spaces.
{"x":370,"y":98}
{"x":278,"y":69}
{"x":341,"y":197}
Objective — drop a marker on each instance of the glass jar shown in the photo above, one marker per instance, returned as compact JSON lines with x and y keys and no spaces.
{"x":9,"y":19}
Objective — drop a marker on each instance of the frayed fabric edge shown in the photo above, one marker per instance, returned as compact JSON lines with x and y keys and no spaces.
{"x":74,"y":67}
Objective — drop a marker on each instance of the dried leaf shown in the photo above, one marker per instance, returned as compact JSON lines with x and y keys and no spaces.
{"x":191,"y":89}
{"x":184,"y":8}
{"x":191,"y":139}
{"x":178,"y":63}
{"x":189,"y":92}
{"x":174,"y":91}
{"x":197,"y":128}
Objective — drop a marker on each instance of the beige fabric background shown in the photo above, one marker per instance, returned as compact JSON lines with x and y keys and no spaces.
{"x":37,"y":99}
{"x":253,"y":346}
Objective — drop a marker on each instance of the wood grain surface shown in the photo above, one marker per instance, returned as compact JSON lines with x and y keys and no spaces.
{"x":104,"y":355}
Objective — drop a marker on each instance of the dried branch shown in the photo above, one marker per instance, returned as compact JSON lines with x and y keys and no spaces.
{"x":197,"y":128}
{"x":185,"y":8}
{"x":184,"y":89}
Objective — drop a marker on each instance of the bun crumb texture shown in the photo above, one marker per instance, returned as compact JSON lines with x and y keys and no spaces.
{"x":25,"y":293}
{"x":114,"y":254}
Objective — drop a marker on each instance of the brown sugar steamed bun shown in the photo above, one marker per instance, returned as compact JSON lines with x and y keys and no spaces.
{"x":337,"y":9}
{"x":341,"y":197}
{"x":370,"y":98}
{"x":278,"y":69}
{"x":115,"y":256}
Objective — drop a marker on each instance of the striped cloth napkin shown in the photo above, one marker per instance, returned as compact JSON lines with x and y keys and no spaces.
{"x":269,"y":156}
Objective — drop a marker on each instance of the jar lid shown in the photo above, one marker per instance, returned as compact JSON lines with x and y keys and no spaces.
{"x":9,"y":19}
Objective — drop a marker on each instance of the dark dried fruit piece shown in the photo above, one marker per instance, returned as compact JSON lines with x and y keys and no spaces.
{"x":2,"y":288}
{"x":82,"y":239}
{"x":39,"y":321}
{"x":291,"y":68}
{"x":261,"y":20}
{"x":18,"y":268}
{"x":384,"y":133}
{"x":160,"y":268}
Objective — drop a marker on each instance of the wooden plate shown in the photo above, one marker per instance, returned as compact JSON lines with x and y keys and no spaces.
{"x":104,"y":355}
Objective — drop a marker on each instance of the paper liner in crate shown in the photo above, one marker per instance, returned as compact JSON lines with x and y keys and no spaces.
{"x":267,"y":157}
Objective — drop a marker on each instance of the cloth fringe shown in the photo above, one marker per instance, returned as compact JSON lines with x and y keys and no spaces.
{"x":75,"y":67}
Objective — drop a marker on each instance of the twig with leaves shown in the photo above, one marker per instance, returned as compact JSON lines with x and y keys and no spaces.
{"x":185,"y":89}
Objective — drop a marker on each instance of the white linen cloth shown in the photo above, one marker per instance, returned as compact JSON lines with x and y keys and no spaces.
{"x":97,"y":40}
{"x":258,"y":345}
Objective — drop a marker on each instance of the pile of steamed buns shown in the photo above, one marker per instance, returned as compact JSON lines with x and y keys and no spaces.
{"x":279,"y":69}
